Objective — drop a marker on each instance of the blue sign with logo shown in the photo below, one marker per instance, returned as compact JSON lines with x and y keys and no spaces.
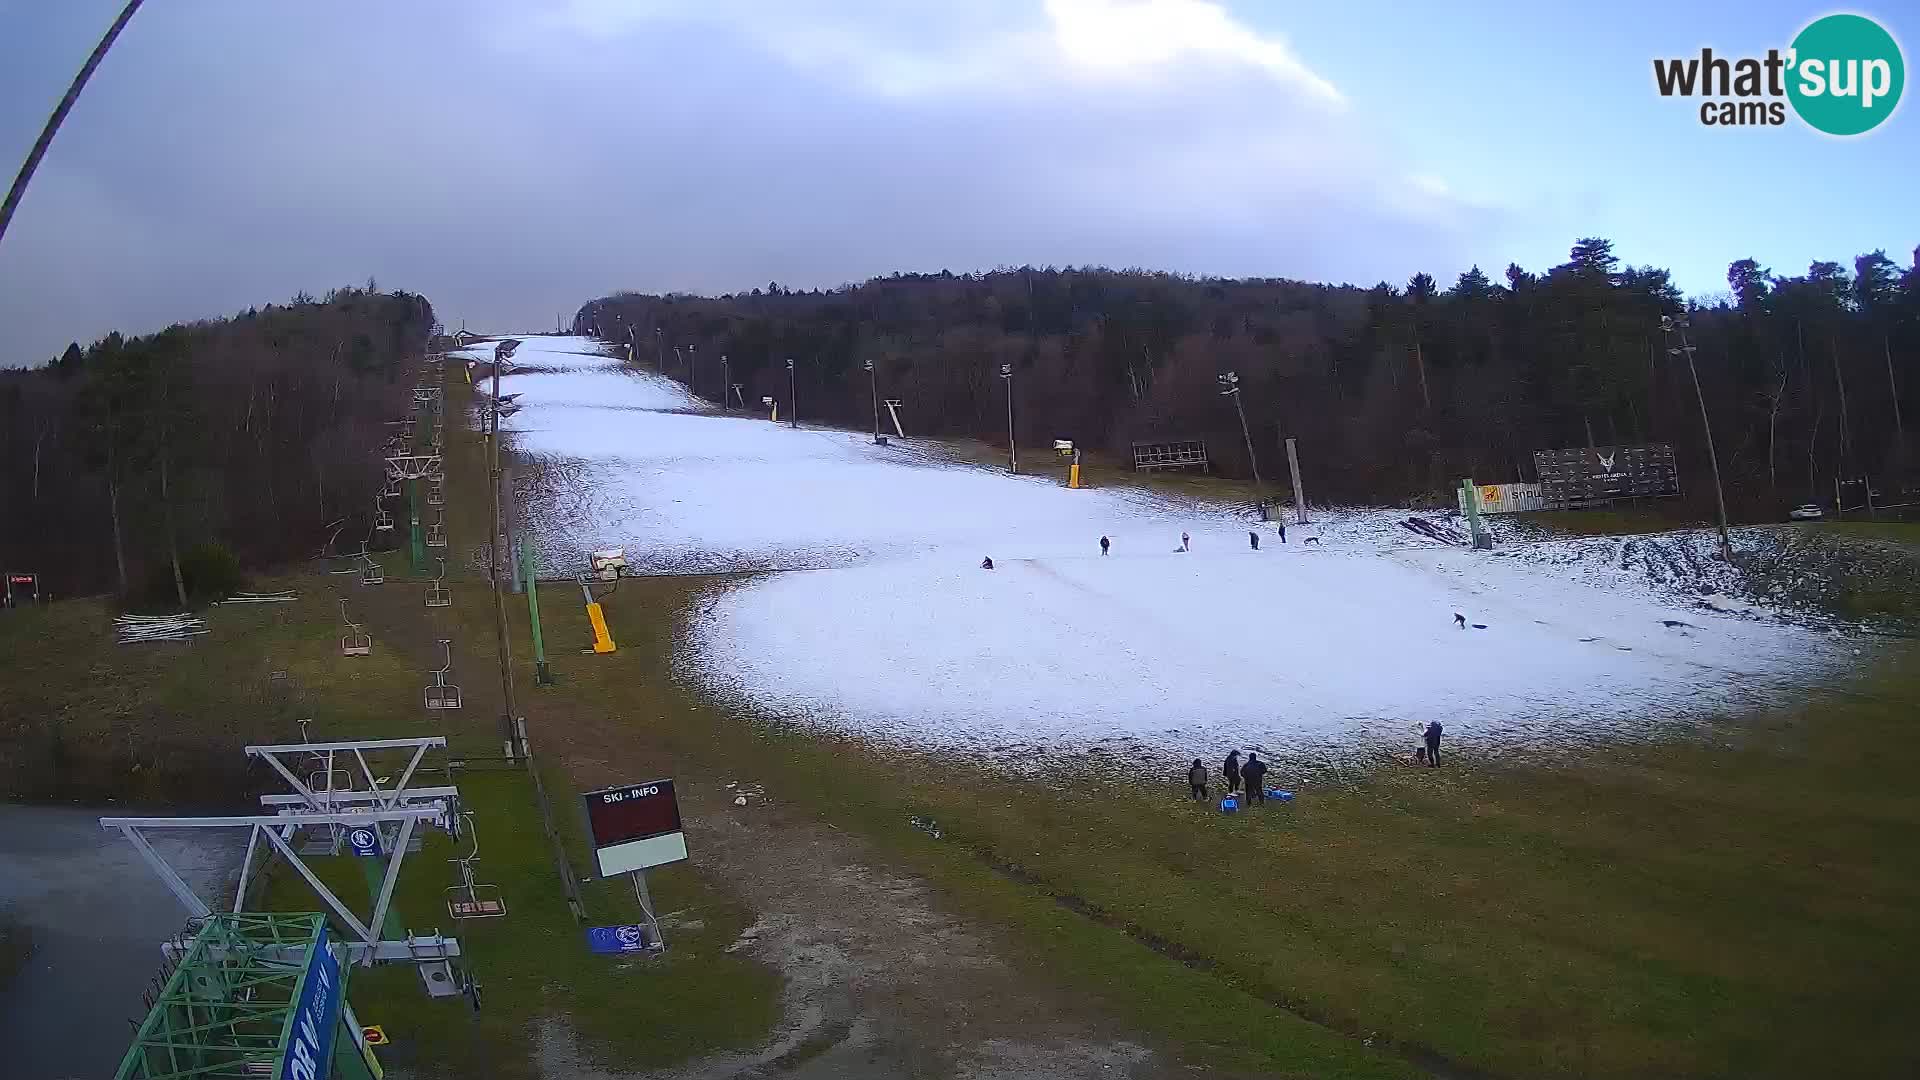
{"x":617,"y":939}
{"x":364,"y":840}
{"x":310,"y":1034}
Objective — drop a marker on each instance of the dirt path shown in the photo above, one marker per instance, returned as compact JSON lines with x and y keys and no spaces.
{"x":879,"y":981}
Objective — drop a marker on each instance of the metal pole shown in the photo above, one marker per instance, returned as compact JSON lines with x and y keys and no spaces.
{"x":645,"y":898}
{"x":542,"y":675}
{"x":793,"y":396}
{"x":1713,"y":457}
{"x":873,"y":384}
{"x":1252,"y":458}
{"x":493,"y":555}
{"x":726,"y":382}
{"x":1013,"y":448}
{"x":1299,"y":491}
{"x":25,"y":176}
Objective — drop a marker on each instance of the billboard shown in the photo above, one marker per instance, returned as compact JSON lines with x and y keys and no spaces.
{"x":1510,"y":498}
{"x":1595,"y":474}
{"x":309,"y":1047}
{"x":635,"y":826}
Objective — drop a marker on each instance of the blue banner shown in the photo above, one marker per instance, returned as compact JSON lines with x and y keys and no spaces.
{"x":310,"y":1038}
{"x":617,"y":939}
{"x":364,"y":842}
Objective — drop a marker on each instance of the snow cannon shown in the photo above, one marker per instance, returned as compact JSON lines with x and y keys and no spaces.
{"x":1229,"y":804}
{"x":606,"y":565}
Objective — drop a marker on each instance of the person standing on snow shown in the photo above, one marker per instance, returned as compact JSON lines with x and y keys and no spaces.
{"x":1282,"y":526}
{"x":1232,"y":772}
{"x":1185,"y":542}
{"x":1253,"y":538}
{"x":1104,"y":545}
{"x":1254,"y":773}
{"x":1432,"y":737}
{"x":1197,"y":780}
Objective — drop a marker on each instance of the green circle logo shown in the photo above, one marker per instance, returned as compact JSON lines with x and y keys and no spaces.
{"x":1845,"y":74}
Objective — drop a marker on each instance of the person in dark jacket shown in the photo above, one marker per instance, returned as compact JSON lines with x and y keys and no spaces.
{"x":1197,"y":780}
{"x":1254,"y":774}
{"x":1104,"y":545}
{"x":1232,"y":771}
{"x":1283,"y":531}
{"x":1254,"y":539}
{"x":986,"y":563}
{"x":1432,"y":737}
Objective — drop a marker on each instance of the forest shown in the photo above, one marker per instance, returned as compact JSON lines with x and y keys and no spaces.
{"x":1394,"y":392}
{"x":160,"y":467}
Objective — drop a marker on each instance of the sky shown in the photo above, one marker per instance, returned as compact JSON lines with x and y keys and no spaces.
{"x":512,"y":159}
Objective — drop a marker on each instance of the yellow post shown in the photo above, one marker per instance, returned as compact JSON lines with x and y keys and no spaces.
{"x":776,"y":413}
{"x":1073,"y":475}
{"x":602,"y":641}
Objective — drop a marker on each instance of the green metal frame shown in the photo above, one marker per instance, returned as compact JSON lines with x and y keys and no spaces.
{"x":225,"y":1009}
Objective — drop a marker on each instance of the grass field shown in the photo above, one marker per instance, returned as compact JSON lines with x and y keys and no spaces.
{"x":1721,"y":903}
{"x":1738,"y":900}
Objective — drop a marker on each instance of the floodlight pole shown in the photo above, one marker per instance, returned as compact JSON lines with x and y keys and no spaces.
{"x":1013,"y":448}
{"x":1230,"y":382}
{"x":660,"y":350}
{"x":793,"y":399}
{"x":726,"y":381}
{"x":500,"y":354}
{"x":873,"y":384}
{"x":1670,"y":326}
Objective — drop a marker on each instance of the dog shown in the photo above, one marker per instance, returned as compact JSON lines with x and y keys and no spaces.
{"x":1311,"y":540}
{"x":1459,"y":620}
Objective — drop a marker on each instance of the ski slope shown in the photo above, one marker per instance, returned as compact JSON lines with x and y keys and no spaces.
{"x":887,"y":627}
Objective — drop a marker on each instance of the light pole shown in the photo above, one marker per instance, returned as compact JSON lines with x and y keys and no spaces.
{"x":726,"y":381}
{"x":1013,"y":449}
{"x":793,"y":398}
{"x":1669,"y":326}
{"x":660,"y":350}
{"x":873,"y":383}
{"x":690,"y":348}
{"x":1230,"y":387}
{"x":501,"y":354}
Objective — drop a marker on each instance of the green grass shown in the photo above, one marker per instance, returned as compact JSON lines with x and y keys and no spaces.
{"x":1622,"y":521}
{"x":83,"y":718}
{"x":533,"y":963}
{"x":1727,"y":901}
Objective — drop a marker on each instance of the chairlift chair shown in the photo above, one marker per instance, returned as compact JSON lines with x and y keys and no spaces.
{"x":437,"y":532}
{"x":356,"y":641}
{"x":382,"y":518}
{"x":471,"y":899}
{"x":443,"y":694}
{"x":438,"y":595}
{"x":436,"y":495}
{"x":371,"y":573}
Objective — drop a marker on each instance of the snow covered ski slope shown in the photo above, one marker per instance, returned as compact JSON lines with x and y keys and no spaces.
{"x":895,"y":631}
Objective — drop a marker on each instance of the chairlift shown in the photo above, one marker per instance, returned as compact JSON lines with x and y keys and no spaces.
{"x":371,"y":573}
{"x":437,"y":495}
{"x":437,"y":593}
{"x":382,"y":518}
{"x":437,"y":532}
{"x":471,"y":899}
{"x":443,"y":694}
{"x":391,"y":490}
{"x":356,"y":641}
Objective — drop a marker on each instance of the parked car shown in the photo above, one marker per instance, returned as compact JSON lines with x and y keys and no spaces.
{"x":1806,"y":512}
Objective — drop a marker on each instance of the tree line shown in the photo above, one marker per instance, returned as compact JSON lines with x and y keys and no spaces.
{"x":1394,"y":392}
{"x":158,"y":466}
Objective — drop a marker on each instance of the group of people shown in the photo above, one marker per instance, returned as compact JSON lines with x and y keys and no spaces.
{"x":1251,"y":775}
{"x":1186,"y":543}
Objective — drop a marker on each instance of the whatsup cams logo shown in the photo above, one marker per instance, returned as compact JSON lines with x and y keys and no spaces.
{"x":1842,"y":75}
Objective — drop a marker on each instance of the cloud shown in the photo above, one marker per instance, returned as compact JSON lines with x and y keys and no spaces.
{"x":511,"y":160}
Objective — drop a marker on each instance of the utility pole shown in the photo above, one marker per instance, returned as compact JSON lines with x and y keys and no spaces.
{"x":726,"y":382}
{"x":500,"y":354}
{"x":873,"y":383}
{"x":1669,"y":326}
{"x":1299,"y":492}
{"x":60,"y":112}
{"x":690,"y":367}
{"x":793,"y":400}
{"x":660,"y":350}
{"x":1013,"y":448}
{"x":1230,"y":387}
